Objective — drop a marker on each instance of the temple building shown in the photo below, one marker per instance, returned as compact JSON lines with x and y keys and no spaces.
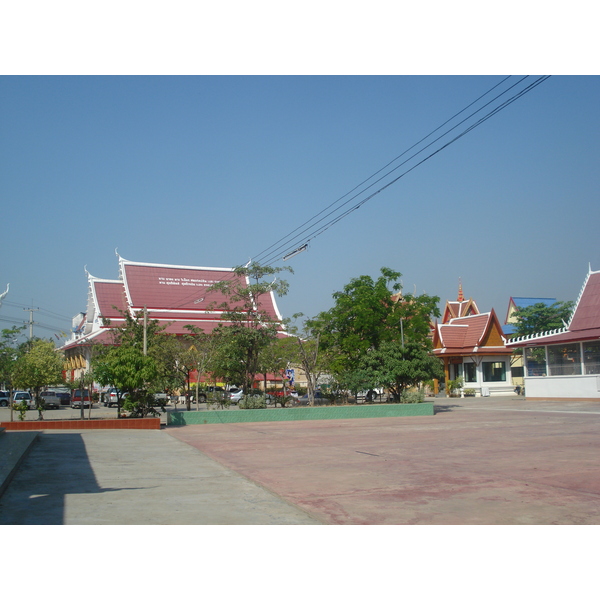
{"x":564,"y":364}
{"x":473,"y":347}
{"x":173,"y":295}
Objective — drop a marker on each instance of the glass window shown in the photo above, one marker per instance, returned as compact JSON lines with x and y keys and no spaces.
{"x":457,"y":371}
{"x":564,"y":360}
{"x":494,"y":371}
{"x":470,"y":372}
{"x":535,"y":360}
{"x":516,"y":372}
{"x":591,"y":358}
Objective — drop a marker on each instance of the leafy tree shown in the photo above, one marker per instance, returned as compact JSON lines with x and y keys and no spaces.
{"x":8,"y":354}
{"x":307,"y":352}
{"x":396,"y":367}
{"x":129,"y":370}
{"x":39,"y":367}
{"x":540,"y":317}
{"x":131,"y":364}
{"x":372,"y":327}
{"x":253,"y":328}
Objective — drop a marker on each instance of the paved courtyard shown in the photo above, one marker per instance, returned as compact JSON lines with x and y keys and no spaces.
{"x":477,"y":461}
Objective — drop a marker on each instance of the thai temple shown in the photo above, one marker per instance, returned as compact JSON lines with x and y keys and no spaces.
{"x":173,"y":295}
{"x":472,"y":346}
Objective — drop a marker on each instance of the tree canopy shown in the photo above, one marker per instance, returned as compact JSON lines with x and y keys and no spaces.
{"x":252,"y":328}
{"x":540,"y":317}
{"x":372,"y":327}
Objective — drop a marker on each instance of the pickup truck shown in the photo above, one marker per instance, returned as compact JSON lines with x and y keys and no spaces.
{"x":51,"y":399}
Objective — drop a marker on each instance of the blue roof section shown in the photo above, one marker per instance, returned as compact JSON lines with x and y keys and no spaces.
{"x":508,"y":328}
{"x":524,"y":302}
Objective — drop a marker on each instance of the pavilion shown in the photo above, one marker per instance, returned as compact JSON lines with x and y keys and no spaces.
{"x":472,"y":346}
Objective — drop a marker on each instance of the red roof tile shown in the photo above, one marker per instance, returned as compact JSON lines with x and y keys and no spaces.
{"x":110,"y":294}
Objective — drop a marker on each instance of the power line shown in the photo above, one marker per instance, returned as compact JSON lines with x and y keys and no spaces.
{"x":306,"y":232}
{"x":258,"y":257}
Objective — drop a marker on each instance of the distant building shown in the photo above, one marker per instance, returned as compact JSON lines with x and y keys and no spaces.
{"x":515,"y":304}
{"x":472,"y":346}
{"x":564,"y":364}
{"x":174,"y":295}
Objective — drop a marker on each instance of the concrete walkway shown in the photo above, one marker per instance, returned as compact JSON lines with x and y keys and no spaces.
{"x":134,"y":477}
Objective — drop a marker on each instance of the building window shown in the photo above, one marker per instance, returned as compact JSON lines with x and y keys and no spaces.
{"x":564,"y":360}
{"x":591,"y":358}
{"x":470,"y":372}
{"x":456,"y":371}
{"x":494,"y":371}
{"x":516,"y":372}
{"x":535,"y":361}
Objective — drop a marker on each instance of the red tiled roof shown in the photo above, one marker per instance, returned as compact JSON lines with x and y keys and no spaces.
{"x":464,"y":335}
{"x":173,"y":295}
{"x":110,"y":294}
{"x":170,"y":287}
{"x":587,"y":311}
{"x":584,"y":324}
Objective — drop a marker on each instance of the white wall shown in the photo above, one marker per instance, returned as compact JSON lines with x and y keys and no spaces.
{"x":567,"y":386}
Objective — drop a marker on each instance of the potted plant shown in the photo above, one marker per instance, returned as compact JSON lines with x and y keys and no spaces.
{"x":454,"y":387}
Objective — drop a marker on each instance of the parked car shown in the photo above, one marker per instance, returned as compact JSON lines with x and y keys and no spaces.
{"x":234,"y":395}
{"x":304,"y":400}
{"x":65,"y":398}
{"x":80,"y":396}
{"x":51,"y":399}
{"x":3,"y":398}
{"x":203,"y":392}
{"x":19,"y":396}
{"x":109,"y":398}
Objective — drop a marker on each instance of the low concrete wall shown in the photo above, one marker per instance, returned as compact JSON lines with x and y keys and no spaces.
{"x":299,"y":414}
{"x":149,"y":423}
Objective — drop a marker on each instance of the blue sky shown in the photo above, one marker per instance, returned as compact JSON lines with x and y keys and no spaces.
{"x":212,"y":170}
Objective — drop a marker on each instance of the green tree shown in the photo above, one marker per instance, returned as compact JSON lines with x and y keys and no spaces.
{"x":9,"y":352}
{"x":252,"y":328}
{"x":132,"y":372}
{"x":372,"y":327}
{"x":39,"y":367}
{"x":305,"y":350}
{"x":397,"y":368}
{"x":540,"y":317}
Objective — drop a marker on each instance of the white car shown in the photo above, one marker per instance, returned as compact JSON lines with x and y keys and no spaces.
{"x":18,"y":397}
{"x":235,"y":395}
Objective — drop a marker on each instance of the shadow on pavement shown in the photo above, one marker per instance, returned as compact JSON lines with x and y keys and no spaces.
{"x":57,"y":466}
{"x":444,"y":408}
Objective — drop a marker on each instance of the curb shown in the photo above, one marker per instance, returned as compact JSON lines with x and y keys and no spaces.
{"x":14,"y":447}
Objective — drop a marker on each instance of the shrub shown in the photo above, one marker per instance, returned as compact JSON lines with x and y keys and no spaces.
{"x":412,"y":396}
{"x":254,"y":401}
{"x":21,"y":408}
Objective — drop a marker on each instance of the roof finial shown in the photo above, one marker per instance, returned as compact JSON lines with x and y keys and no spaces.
{"x":460,"y":298}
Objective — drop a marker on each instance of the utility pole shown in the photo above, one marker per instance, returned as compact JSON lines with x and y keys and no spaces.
{"x":31,"y":311}
{"x":145,"y":331}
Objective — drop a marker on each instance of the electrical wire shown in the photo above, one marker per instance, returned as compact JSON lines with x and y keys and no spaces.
{"x":304,"y":233}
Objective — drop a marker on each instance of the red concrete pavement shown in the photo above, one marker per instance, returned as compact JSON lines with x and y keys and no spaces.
{"x":477,"y":461}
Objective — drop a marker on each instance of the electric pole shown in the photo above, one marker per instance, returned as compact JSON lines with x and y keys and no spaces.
{"x":31,"y":321}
